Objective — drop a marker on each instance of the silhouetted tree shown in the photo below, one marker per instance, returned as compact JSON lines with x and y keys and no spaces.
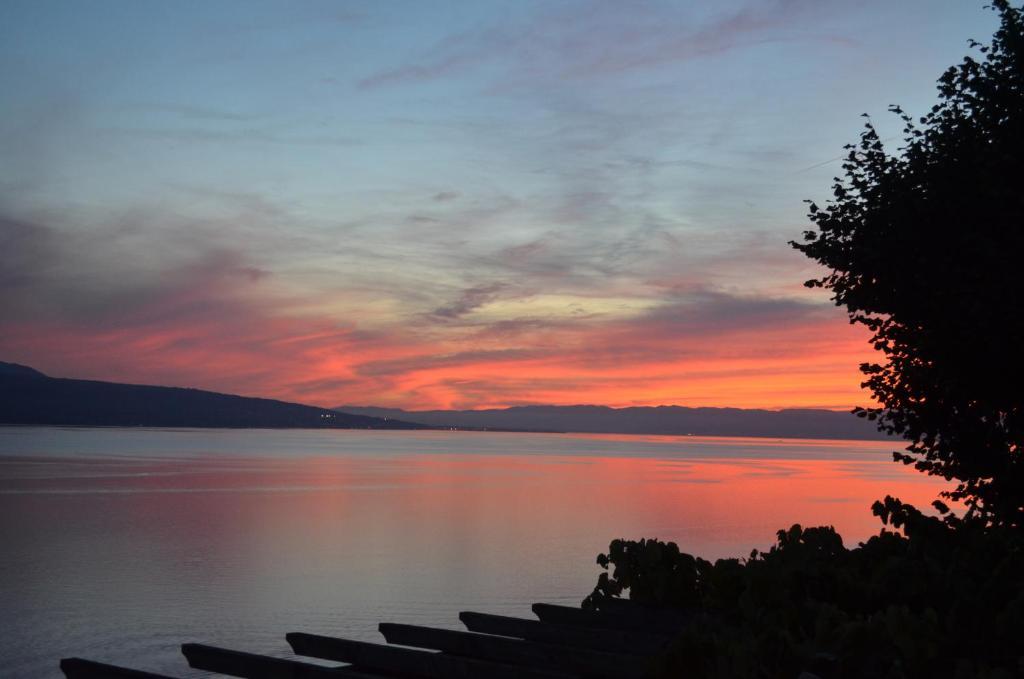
{"x":926,"y":248}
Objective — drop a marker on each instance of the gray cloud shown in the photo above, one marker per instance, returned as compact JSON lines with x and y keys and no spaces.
{"x":587,"y":39}
{"x":468,"y":300}
{"x":26,"y":250}
{"x":114,"y":276}
{"x":688,"y":325}
{"x":197,"y":113}
{"x":396,"y":367}
{"x":704,"y":312}
{"x":245,"y":135}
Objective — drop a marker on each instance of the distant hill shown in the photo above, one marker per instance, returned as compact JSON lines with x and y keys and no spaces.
{"x":15,"y":370}
{"x":675,"y":420}
{"x":27,"y":396}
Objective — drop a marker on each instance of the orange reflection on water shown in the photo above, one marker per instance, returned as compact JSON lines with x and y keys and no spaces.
{"x":472,"y":506}
{"x":135,"y":539}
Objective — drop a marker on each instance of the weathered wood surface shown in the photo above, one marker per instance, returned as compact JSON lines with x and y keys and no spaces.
{"x":407,"y":661}
{"x":656,"y":617}
{"x":615,"y":641}
{"x":566,"y":615}
{"x":256,"y":666}
{"x":583,"y":662}
{"x":79,"y":668}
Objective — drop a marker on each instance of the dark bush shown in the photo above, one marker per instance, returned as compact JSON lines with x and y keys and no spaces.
{"x":924,"y":248}
{"x":923,"y":598}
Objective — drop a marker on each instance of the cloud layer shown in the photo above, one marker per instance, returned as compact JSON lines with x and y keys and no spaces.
{"x":125,"y":305}
{"x":479,"y":205}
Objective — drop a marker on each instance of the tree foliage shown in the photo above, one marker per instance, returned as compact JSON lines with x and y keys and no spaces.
{"x":932,"y":599}
{"x":925,"y":247}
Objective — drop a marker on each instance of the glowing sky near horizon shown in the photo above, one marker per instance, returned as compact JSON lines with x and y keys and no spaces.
{"x":427,"y":205}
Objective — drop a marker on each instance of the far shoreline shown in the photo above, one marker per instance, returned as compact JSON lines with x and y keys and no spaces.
{"x":445,"y":430}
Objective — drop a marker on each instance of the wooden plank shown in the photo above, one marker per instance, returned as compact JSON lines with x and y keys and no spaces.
{"x":507,"y":651}
{"x":567,"y":615}
{"x":256,"y":666}
{"x":407,"y":661}
{"x":80,"y":668}
{"x":670,"y":618}
{"x":614,"y":641}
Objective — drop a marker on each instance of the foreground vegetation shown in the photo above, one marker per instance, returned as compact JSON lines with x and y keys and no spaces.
{"x":923,"y":247}
{"x":926,"y":597}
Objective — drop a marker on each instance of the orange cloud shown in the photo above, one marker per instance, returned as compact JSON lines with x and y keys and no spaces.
{"x":259,"y":351}
{"x":213,"y":319}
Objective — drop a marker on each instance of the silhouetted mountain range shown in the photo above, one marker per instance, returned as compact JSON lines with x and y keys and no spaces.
{"x":27,"y":396}
{"x":795,"y":423}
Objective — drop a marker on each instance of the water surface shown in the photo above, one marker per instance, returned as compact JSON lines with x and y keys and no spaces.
{"x":120,"y":544}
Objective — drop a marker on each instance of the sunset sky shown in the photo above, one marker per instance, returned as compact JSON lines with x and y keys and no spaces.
{"x":430,"y":205}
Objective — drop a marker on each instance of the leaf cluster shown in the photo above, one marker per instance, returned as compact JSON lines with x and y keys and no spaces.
{"x":925,"y":597}
{"x":924,"y":247}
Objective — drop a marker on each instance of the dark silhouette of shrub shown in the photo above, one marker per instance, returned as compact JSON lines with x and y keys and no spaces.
{"x":925,"y":248}
{"x":933,"y":598}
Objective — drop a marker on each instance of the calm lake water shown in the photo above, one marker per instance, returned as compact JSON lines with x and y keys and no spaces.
{"x":120,"y":544}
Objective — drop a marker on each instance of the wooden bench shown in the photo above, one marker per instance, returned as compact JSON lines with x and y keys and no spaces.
{"x":615,"y":643}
